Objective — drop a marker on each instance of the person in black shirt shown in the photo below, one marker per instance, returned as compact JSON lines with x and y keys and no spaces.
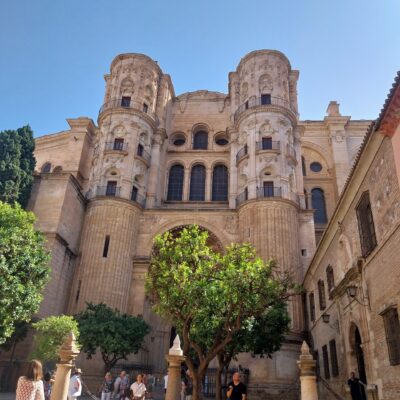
{"x":356,"y":387}
{"x":236,"y":389}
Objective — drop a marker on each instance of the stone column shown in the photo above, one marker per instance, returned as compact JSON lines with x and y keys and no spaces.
{"x":186,"y":184}
{"x":208,"y":188}
{"x":174,"y":358}
{"x":68,"y":352}
{"x":308,"y":379}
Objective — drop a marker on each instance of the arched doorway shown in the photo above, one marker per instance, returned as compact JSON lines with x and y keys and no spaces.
{"x":359,"y":355}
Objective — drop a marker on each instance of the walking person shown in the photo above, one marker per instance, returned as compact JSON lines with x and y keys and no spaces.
{"x":47,"y":385}
{"x":236,"y":389}
{"x":188,"y":382}
{"x":106,"y":387}
{"x":121,"y":384}
{"x":356,"y":387}
{"x":138,"y":388}
{"x":75,"y":385}
{"x":30,"y":386}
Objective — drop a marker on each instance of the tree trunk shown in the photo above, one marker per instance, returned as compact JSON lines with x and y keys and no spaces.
{"x":218,"y":385}
{"x":198,"y":377}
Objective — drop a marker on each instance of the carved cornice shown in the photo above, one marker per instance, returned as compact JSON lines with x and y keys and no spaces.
{"x":267,"y":108}
{"x":130,"y":111}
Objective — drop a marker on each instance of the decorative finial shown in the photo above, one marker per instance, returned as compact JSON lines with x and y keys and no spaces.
{"x":305,"y":350}
{"x":176,"y":350}
{"x":333,"y":109}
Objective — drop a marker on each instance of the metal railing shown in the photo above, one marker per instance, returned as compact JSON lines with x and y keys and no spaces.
{"x":112,"y":191}
{"x":241,"y":198}
{"x":138,"y":198}
{"x":121,"y":103}
{"x":259,"y":101}
{"x":272,"y":145}
{"x":143,"y":154}
{"x":269,"y":191}
{"x":116,"y":146}
{"x":241,"y":153}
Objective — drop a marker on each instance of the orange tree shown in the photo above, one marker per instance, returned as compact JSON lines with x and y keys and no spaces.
{"x":209,"y":296}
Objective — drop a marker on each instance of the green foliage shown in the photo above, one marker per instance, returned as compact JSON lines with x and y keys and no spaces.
{"x":17,"y":164}
{"x":211,"y":297}
{"x":51,"y":333}
{"x":115,"y":335}
{"x":20,"y":330}
{"x":23,"y":267}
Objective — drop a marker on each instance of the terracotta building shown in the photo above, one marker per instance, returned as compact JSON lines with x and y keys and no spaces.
{"x":353,"y":280}
{"x":241,"y":165}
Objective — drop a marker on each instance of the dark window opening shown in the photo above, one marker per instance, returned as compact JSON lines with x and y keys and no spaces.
{"x":304,"y":252}
{"x":246,"y":193}
{"x":222,"y":142}
{"x":326,"y":362}
{"x":125,"y":101}
{"x":118,"y":144}
{"x":321,"y":294}
{"x":303,"y":166}
{"x":145,"y":108}
{"x":312,"y":306}
{"x":175,"y":183}
{"x":106,"y":246}
{"x":197,"y":183}
{"x":268,"y":188}
{"x":220,"y":183}
{"x":46,"y":167}
{"x":57,"y":169}
{"x":246,"y":105}
{"x":140,"y":150}
{"x":366,"y":226}
{"x":334,"y":360}
{"x":318,"y":203}
{"x":78,"y":292}
{"x":134,"y":193}
{"x":266,"y":143}
{"x":180,"y":141}
{"x":265,"y":99}
{"x":392,"y":330}
{"x":111,"y":189}
{"x":200,"y":140}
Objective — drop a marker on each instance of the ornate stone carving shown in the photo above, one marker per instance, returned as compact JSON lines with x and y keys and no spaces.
{"x":231,"y":224}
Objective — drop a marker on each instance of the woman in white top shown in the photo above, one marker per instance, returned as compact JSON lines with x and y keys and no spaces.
{"x":138,"y":388}
{"x":30,"y":387}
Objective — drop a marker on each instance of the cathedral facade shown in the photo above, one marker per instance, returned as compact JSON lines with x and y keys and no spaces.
{"x":241,"y":165}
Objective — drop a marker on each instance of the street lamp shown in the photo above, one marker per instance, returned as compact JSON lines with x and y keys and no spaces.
{"x":351,"y":291}
{"x":326,"y":318}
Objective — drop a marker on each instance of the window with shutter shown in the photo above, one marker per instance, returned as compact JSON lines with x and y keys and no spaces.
{"x":392,"y":330}
{"x":312,"y":307}
{"x":334,"y":360}
{"x":326,"y":361}
{"x":330,"y":278}
{"x":366,"y":226}
{"x":321,"y":294}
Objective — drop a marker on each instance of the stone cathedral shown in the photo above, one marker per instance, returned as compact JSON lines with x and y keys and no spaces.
{"x":241,"y":165}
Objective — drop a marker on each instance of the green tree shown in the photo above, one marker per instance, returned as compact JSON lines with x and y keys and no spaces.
{"x":116,"y":335}
{"x":23,"y":267}
{"x":51,"y":333}
{"x":196,"y":288}
{"x":17,"y":164}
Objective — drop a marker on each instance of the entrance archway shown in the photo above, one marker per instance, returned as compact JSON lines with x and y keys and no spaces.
{"x":357,"y":353}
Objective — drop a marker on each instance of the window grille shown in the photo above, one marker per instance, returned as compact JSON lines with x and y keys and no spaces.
{"x":118,"y":144}
{"x":318,"y":203}
{"x":200,"y":140}
{"x":312,"y":307}
{"x":125,"y":101}
{"x":321,"y":294}
{"x":334,"y":360}
{"x":266,"y":143}
{"x":392,"y":330}
{"x":175,"y":183}
{"x":268,"y":187}
{"x":326,"y":361}
{"x":220,"y":183}
{"x":111,"y":189}
{"x":366,"y":226}
{"x":197,"y":183}
{"x":330,"y":279}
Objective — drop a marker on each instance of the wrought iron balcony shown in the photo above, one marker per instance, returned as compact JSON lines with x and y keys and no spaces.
{"x":241,"y":153}
{"x":138,"y":198}
{"x":261,"y":101}
{"x":116,"y":146}
{"x":125,"y":103}
{"x":269,"y":191}
{"x":112,"y":191}
{"x":140,"y":152}
{"x":268,"y":145}
{"x":241,"y":198}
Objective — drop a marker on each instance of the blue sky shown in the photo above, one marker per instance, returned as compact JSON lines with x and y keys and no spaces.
{"x":53,"y":54}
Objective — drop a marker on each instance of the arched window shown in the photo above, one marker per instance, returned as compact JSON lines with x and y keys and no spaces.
{"x":330,"y":278}
{"x":57,"y":169}
{"x":197,"y":183}
{"x":318,"y":203}
{"x":200,"y":140}
{"x":140,"y":150}
{"x":175,"y":183}
{"x":321,"y":295}
{"x":220,"y":183}
{"x":46,"y":168}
